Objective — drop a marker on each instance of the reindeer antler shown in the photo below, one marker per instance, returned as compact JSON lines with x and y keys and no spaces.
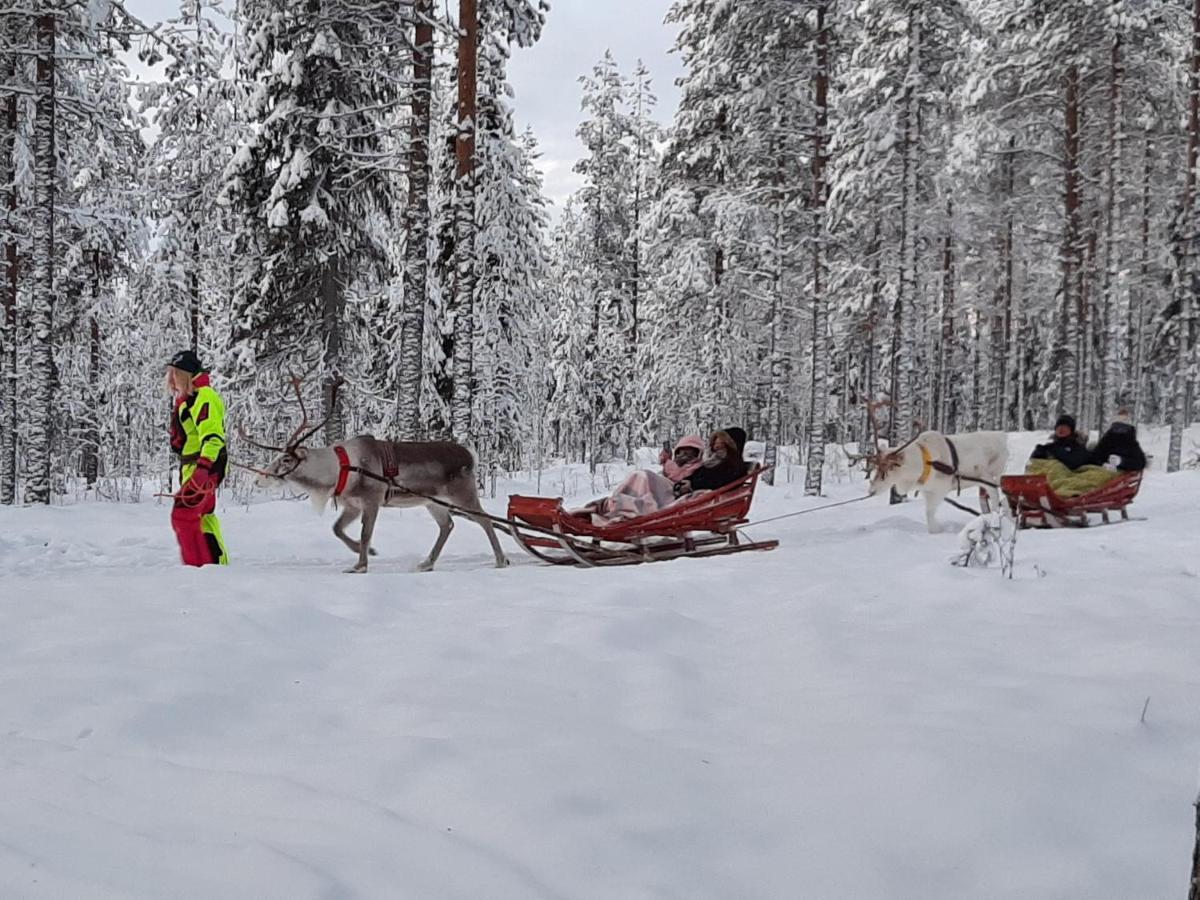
{"x":253,"y":443}
{"x":300,"y":435}
{"x":875,"y":458}
{"x":302,"y":432}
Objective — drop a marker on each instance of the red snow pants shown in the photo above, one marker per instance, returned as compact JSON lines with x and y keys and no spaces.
{"x":198,"y":532}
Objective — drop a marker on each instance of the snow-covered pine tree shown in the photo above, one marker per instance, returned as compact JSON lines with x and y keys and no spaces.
{"x":605,"y":201}
{"x":194,"y":108}
{"x":314,"y":183}
{"x":510,"y":23}
{"x":511,"y":260}
{"x":417,"y":219}
{"x":895,"y":101}
{"x":644,"y":135}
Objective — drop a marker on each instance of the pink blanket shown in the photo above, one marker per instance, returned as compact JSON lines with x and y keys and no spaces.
{"x":641,"y":493}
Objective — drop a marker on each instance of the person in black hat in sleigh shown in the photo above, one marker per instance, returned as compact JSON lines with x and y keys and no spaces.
{"x":198,"y":438}
{"x":1066,"y":447}
{"x":725,"y":463}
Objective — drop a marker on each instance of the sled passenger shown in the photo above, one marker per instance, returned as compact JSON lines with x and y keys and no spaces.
{"x":684,"y":459}
{"x":1065,"y":446}
{"x":644,"y":491}
{"x":1118,"y":447}
{"x":724,"y":465}
{"x":198,"y":438}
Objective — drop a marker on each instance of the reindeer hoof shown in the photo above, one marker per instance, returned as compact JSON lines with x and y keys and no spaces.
{"x":425,"y":566}
{"x":373,"y":552}
{"x":356,"y":570}
{"x":503,"y":563}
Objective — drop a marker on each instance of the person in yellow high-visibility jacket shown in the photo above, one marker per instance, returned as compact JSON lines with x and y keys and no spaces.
{"x":198,"y":438}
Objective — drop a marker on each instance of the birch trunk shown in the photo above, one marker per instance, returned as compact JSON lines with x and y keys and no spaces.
{"x":41,"y":311}
{"x":1067,"y":338}
{"x":412,"y":324}
{"x":333,"y":314}
{"x":906,"y":295}
{"x":1139,"y":298}
{"x":943,"y":406}
{"x":464,"y":224}
{"x":1109,"y":339}
{"x":820,"y":387}
{"x":1185,"y":277}
{"x":8,"y":325}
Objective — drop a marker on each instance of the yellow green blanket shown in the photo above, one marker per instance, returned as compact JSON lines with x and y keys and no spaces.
{"x":1070,"y":483}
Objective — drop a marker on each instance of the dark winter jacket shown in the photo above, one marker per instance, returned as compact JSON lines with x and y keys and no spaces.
{"x":709,"y":478}
{"x":1120,"y":440}
{"x":1067,"y":450}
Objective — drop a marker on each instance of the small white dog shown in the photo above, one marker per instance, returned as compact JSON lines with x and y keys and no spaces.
{"x":936,"y":464}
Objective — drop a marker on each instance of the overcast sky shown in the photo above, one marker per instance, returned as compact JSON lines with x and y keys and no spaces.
{"x":544,"y":76}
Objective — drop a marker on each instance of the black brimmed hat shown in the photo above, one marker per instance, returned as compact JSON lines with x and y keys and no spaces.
{"x":187,"y":361}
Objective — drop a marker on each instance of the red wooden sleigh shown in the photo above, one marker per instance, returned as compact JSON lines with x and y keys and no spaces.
{"x":1034,"y":503}
{"x":703,"y":525}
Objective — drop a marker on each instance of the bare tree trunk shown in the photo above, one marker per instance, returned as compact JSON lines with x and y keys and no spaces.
{"x":41,"y":312}
{"x":8,"y":334}
{"x":333,"y":314}
{"x":1088,"y":309}
{"x":872,"y":331}
{"x":942,"y":407}
{"x":1140,"y":298}
{"x":906,"y":296}
{"x":1067,"y":340}
{"x":1002,"y":321}
{"x":412,"y":326}
{"x":820,"y":389}
{"x":91,"y":438}
{"x":464,"y":222}
{"x":1110,"y":342}
{"x":1185,"y":277}
{"x":91,"y":443}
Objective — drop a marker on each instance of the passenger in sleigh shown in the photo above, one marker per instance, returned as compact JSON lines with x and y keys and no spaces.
{"x":724,"y":465}
{"x":645,"y":492}
{"x":1065,"y":446}
{"x":1118,"y":448}
{"x":1072,"y":469}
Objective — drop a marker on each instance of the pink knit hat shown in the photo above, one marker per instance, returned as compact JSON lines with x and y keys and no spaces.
{"x":694,"y":441}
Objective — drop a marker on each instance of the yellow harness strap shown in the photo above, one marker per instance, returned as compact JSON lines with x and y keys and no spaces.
{"x":926,"y":464}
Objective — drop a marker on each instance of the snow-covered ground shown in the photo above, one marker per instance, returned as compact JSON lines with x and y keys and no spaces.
{"x":848,"y":716}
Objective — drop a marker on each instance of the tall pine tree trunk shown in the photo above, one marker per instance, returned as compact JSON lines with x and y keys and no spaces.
{"x":943,"y":404}
{"x":464,"y":223}
{"x":1067,"y":338}
{"x":41,"y":312}
{"x":8,"y":324}
{"x":871,"y":363}
{"x":820,"y":387}
{"x":1185,"y":277}
{"x":333,"y":318}
{"x":412,"y":326}
{"x":1109,"y":337}
{"x":1006,"y":250}
{"x":906,"y":295}
{"x":1140,"y":297}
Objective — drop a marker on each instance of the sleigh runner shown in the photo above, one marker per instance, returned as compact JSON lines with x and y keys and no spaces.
{"x":697,"y":526}
{"x":1034,"y":503}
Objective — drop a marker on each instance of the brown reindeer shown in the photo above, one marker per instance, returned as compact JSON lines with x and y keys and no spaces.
{"x":365,"y":474}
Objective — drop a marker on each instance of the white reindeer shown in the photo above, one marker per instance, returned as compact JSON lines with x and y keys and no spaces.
{"x":936,"y":464}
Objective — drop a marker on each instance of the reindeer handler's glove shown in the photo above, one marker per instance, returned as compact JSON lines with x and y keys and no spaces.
{"x":202,"y":483}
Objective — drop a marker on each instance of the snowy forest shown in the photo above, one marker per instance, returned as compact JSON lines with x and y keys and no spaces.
{"x":982,"y":210}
